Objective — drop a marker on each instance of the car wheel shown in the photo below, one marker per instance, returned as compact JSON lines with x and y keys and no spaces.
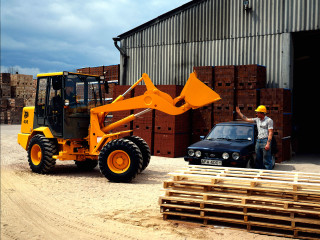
{"x":273,"y":161}
{"x":250,"y":163}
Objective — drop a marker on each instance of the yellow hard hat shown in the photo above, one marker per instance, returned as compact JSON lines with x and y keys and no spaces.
{"x":261,"y":108}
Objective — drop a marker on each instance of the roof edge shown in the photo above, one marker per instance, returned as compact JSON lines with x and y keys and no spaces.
{"x":160,"y":18}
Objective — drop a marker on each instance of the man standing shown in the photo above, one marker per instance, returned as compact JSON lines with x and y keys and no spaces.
{"x":265,"y":133}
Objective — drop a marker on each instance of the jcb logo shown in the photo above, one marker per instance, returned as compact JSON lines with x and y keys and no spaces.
{"x":26,"y":114}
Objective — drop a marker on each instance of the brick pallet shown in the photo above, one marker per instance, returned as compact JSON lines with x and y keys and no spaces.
{"x":17,"y":91}
{"x":4,"y":78}
{"x":224,"y":109}
{"x":205,"y":74}
{"x":201,"y":122}
{"x":248,"y":100}
{"x":166,"y":135}
{"x":172,"y":133}
{"x":276,"y":99}
{"x":268,"y":202}
{"x":144,"y":125}
{"x":278,"y":103}
{"x":110,"y":72}
{"x":116,"y":116}
{"x":171,"y":145}
{"x":169,"y":124}
{"x":224,"y":77}
{"x":250,"y":77}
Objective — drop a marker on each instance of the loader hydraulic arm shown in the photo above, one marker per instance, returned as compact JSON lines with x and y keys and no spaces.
{"x":195,"y":94}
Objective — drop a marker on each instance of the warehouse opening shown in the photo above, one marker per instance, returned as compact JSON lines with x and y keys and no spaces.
{"x":306,"y":92}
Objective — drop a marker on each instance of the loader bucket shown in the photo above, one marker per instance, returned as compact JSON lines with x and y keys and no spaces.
{"x":198,"y":94}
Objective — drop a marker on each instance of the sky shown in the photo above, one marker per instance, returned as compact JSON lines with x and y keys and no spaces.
{"x":39,"y":36}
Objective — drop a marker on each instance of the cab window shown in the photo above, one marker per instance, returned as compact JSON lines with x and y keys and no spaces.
{"x":41,"y":99}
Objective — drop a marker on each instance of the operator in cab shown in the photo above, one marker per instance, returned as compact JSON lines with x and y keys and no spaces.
{"x":69,"y":92}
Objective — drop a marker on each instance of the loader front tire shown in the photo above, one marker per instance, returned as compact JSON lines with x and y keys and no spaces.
{"x":120,"y":160}
{"x":144,"y":148}
{"x":40,"y":152}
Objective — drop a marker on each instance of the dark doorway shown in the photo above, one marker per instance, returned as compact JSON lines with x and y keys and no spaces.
{"x":306,"y":92}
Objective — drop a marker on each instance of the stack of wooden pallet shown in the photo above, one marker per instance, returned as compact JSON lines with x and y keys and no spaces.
{"x":268,"y":202}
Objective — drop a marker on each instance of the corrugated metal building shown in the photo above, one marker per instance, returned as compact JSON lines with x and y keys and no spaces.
{"x":283,"y":35}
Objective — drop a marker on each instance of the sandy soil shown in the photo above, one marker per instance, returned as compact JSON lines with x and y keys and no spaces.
{"x":70,"y":204}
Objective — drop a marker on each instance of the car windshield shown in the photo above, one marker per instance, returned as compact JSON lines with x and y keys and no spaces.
{"x":231,"y":132}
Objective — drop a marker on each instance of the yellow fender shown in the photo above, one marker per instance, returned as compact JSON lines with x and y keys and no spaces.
{"x":24,"y":138}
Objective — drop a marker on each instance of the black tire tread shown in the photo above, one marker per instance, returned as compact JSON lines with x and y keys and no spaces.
{"x":48,"y":149}
{"x":144,"y":148}
{"x":135,"y":156}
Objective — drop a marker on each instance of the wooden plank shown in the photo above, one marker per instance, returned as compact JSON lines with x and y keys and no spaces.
{"x":260,"y":200}
{"x":241,"y":198}
{"x":302,"y":196}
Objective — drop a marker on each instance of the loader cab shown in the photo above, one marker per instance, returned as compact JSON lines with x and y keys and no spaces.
{"x":63,"y":103}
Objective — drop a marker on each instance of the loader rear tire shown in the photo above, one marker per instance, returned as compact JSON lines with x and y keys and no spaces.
{"x":40,"y":152}
{"x":120,"y":160}
{"x":144,"y":148}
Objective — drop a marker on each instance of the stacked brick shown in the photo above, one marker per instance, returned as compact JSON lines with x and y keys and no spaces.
{"x":224,"y":84}
{"x":16,"y":91}
{"x":244,"y":86}
{"x":202,"y":118}
{"x":171,"y":133}
{"x":166,"y":135}
{"x":116,"y":116}
{"x":111,"y":73}
{"x":278,"y":103}
{"x":143,"y":126}
{"x":250,"y":79}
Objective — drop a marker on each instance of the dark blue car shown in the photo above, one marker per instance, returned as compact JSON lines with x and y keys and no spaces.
{"x":229,"y":144}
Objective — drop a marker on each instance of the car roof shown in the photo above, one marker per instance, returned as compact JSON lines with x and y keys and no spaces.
{"x":238,"y":123}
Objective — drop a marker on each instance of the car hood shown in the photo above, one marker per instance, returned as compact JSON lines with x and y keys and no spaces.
{"x":221,"y":145}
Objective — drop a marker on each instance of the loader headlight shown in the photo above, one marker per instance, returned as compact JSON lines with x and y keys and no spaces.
{"x":198,"y":154}
{"x":190,"y":152}
{"x":225,"y":155}
{"x":235,"y":156}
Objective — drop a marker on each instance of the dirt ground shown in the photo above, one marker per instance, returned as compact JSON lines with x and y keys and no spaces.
{"x":70,"y":204}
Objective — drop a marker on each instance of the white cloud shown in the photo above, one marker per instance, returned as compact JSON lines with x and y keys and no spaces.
{"x":55,"y":34}
{"x":21,"y":70}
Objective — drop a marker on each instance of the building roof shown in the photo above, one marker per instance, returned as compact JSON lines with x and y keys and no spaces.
{"x":160,"y":18}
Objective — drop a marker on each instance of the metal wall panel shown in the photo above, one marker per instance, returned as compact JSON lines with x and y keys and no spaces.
{"x":220,"y":32}
{"x":172,"y":64}
{"x":224,"y":19}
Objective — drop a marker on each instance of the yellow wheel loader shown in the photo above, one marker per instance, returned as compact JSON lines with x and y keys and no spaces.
{"x":68,"y":123}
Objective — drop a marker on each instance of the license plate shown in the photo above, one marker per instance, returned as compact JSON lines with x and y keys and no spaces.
{"x":211,"y":162}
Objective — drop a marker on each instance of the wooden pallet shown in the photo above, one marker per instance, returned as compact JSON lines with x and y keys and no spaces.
{"x":269,"y":202}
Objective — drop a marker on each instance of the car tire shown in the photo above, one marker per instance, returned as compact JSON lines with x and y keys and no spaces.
{"x":250,"y":163}
{"x":273,"y":161}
